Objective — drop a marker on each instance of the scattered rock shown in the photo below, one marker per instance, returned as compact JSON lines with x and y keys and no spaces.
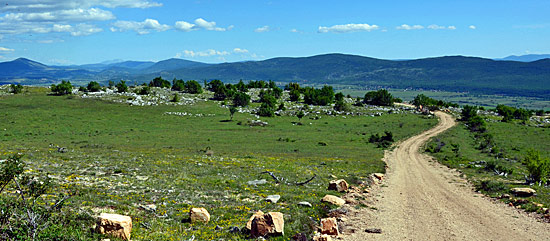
{"x":209,"y":153}
{"x":373,"y":230}
{"x":62,"y":149}
{"x":523,"y":191}
{"x":299,"y":237}
{"x":338,"y":185}
{"x":505,"y":196}
{"x":271,"y":223}
{"x":257,"y":182}
{"x":273,"y":198}
{"x":234,"y":230}
{"x":116,"y":225}
{"x":545,"y":210}
{"x":141,"y":178}
{"x":379,"y":176}
{"x":342,"y":219}
{"x":329,"y":226}
{"x":199,"y":215}
{"x":323,"y":237}
{"x":336,"y":213}
{"x":150,"y":207}
{"x":306,"y":204}
{"x":333,"y":200}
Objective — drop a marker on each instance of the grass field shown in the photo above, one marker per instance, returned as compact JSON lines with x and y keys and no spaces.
{"x":120,"y":157}
{"x":513,"y":140}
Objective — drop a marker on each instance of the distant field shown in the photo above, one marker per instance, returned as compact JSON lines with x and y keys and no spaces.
{"x":121,"y":157}
{"x":490,"y":101}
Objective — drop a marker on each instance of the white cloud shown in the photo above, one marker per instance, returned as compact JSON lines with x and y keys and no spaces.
{"x":207,"y":53}
{"x":451,"y":27}
{"x":352,"y":27}
{"x":84,"y":29}
{"x":144,"y":27}
{"x":472,"y":27}
{"x":262,"y":29}
{"x":240,"y":51}
{"x":200,"y":23}
{"x":3,"y":49}
{"x":409,"y":27}
{"x":437,"y":27}
{"x":52,"y":5}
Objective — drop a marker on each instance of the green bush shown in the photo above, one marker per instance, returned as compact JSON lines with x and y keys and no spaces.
{"x":122,"y":87}
{"x":490,"y":186}
{"x":538,"y":167}
{"x":266,"y":110}
{"x":382,"y":141}
{"x":64,"y":88}
{"x":145,"y":90}
{"x":159,"y":82}
{"x":381,"y":97}
{"x":93,"y":86}
{"x":16,"y":89}
{"x":241,"y":99}
{"x":193,"y":87}
{"x":178,"y":85}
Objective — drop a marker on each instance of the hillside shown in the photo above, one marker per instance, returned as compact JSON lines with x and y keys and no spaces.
{"x":449,"y":73}
{"x":526,"y":58}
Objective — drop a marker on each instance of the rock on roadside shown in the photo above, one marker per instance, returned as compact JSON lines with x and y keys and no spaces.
{"x":334,"y":200}
{"x":271,"y":223}
{"x":338,"y":185}
{"x":329,"y":226}
{"x":199,"y":215}
{"x":523,"y":191}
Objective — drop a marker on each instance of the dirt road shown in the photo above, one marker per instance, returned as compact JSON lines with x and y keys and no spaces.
{"x":423,"y":200}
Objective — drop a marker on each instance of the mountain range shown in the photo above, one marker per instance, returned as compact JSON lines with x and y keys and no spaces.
{"x":450,"y":73}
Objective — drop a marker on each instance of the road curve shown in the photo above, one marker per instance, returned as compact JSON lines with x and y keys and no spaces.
{"x":423,"y":200}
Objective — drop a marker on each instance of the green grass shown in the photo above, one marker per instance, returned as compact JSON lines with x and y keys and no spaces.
{"x":513,"y":140}
{"x":122,"y":156}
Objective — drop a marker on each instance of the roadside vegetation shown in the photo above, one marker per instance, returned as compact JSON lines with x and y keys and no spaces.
{"x":152,"y":156}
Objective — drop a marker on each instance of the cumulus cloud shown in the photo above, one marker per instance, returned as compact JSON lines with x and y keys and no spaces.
{"x":200,"y":23}
{"x":71,"y":16}
{"x":352,"y":27}
{"x":219,"y":54}
{"x":3,"y":49}
{"x":262,"y":29}
{"x":207,"y":53}
{"x":240,"y":51}
{"x":409,"y":27}
{"x":437,"y":27}
{"x":144,"y":27}
{"x":451,"y":27}
{"x":472,"y":27}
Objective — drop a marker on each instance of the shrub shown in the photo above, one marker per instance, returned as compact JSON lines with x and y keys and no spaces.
{"x":294,"y":95}
{"x":193,"y":87}
{"x":266,"y":110}
{"x":538,"y":167}
{"x":300,"y":115}
{"x":221,"y":93}
{"x":241,"y":99}
{"x":381,"y":97}
{"x":64,"y":88}
{"x":16,"y":89}
{"x":159,"y":82}
{"x":178,"y":85}
{"x":176,"y":98}
{"x":93,"y":86}
{"x":214,"y":85}
{"x":146,"y":90}
{"x":382,"y":141}
{"x":490,"y":186}
{"x":232,"y":111}
{"x":468,"y":112}
{"x":323,"y":96}
{"x":241,"y":86}
{"x":122,"y":87}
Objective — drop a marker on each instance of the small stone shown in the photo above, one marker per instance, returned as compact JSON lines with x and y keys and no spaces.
{"x":209,"y":153}
{"x":323,"y":237}
{"x":218,"y":228}
{"x":545,"y":210}
{"x":373,"y":230}
{"x":273,"y":198}
{"x":523,"y":191}
{"x":149,"y":207}
{"x":342,"y":219}
{"x":116,"y":225}
{"x":257,"y":182}
{"x":333,"y":200}
{"x":234,"y":230}
{"x":306,"y":204}
{"x":379,"y":176}
{"x":505,"y":196}
{"x":329,"y":226}
{"x":141,"y":178}
{"x":338,"y":185}
{"x":199,"y":215}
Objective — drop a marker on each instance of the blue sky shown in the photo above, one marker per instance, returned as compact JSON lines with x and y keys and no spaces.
{"x":91,"y":31}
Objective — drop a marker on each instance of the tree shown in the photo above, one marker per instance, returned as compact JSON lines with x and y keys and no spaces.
{"x":64,"y":88}
{"x":214,"y":85}
{"x":159,"y":82}
{"x":221,"y":93}
{"x":292,"y":86}
{"x":522,"y":114}
{"x":145,"y":90}
{"x":477,"y":124}
{"x":178,"y":85}
{"x":122,"y":87}
{"x":111,"y":84}
{"x":232,"y":111}
{"x":193,"y":87}
{"x":241,"y":86}
{"x":93,"y":86}
{"x":323,"y":96}
{"x":241,"y":99}
{"x":266,"y":110}
{"x":268,"y":99}
{"x":506,"y":112}
{"x":300,"y":115}
{"x":176,"y":98}
{"x":381,"y":97}
{"x":16,"y":89}
{"x":294,"y":95}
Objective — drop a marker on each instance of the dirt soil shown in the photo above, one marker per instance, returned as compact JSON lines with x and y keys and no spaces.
{"x":421,"y":199}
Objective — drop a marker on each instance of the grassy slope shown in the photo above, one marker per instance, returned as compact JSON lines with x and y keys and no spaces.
{"x":512,"y":138}
{"x":123,"y":156}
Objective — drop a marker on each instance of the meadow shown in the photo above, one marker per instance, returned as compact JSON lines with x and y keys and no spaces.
{"x":121,"y":158}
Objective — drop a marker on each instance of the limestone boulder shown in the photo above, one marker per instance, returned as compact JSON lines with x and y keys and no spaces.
{"x":199,"y":215}
{"x":338,"y":185}
{"x":115,"y":225}
{"x":329,"y":226}
{"x":333,"y":200}
{"x":271,"y":223}
{"x":523,"y":191}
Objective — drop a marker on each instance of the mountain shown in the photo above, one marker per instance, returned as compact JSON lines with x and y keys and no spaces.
{"x":526,"y":58}
{"x":450,"y":73}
